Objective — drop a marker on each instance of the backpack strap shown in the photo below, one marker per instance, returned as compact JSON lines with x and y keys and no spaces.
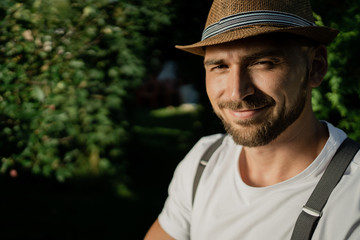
{"x":202,"y":163}
{"x":312,"y":211}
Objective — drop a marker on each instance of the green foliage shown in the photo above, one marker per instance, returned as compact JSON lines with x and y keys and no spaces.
{"x":337,"y":100}
{"x":67,"y":71}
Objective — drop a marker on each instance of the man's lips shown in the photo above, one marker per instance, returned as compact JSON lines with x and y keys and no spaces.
{"x":243,"y":114}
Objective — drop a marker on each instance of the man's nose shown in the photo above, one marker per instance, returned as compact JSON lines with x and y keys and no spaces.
{"x":239,"y":85}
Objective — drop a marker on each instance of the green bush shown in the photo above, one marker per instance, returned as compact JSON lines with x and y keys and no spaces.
{"x":337,"y":100}
{"x":67,"y":72}
{"x":68,"y":69}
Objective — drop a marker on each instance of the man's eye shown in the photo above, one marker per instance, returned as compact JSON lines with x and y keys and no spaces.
{"x":264,"y":63}
{"x":221,"y":66}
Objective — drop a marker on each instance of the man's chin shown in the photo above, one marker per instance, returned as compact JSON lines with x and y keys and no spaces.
{"x":252,"y":133}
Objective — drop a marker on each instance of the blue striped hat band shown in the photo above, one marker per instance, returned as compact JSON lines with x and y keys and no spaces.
{"x":252,"y":18}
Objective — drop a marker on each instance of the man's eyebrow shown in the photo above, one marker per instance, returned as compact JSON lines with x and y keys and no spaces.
{"x":267,"y":53}
{"x":210,"y":62}
{"x":250,"y":57}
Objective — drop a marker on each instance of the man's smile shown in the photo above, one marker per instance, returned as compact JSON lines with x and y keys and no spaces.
{"x":246,"y":113}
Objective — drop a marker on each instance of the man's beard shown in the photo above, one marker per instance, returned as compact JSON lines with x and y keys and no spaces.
{"x":260,"y":132}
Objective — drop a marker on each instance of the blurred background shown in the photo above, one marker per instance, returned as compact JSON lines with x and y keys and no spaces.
{"x":97,"y":108}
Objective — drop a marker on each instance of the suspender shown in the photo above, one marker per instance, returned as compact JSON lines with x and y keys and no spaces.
{"x":202,"y":163}
{"x":312,"y":210}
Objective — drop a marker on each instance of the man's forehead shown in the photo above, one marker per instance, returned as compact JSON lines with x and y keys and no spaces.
{"x":271,"y":43}
{"x":237,"y":49}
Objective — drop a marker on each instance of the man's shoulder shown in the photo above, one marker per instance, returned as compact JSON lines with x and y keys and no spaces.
{"x":192,"y":158}
{"x":337,"y":136}
{"x":356,"y":160}
{"x":202,"y":145}
{"x":210,"y":139}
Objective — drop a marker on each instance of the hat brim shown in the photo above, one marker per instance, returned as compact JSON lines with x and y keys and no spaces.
{"x":323,"y":35}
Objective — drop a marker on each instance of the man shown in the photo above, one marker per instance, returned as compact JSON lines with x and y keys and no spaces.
{"x":262,"y":59}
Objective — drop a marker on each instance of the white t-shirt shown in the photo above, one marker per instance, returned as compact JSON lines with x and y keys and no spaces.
{"x":226,"y":208}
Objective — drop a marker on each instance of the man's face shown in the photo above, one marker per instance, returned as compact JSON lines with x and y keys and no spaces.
{"x":257,"y":87}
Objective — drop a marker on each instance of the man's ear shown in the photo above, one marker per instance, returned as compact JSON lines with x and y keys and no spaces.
{"x":318,"y":65}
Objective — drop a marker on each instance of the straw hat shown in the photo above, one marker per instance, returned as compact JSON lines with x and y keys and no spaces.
{"x":230,"y":20}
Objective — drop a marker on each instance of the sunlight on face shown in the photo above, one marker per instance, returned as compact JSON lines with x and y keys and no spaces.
{"x":253,"y":133}
{"x":257,"y":88}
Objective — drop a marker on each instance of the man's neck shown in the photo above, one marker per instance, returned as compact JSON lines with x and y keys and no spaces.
{"x":285,"y":157}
